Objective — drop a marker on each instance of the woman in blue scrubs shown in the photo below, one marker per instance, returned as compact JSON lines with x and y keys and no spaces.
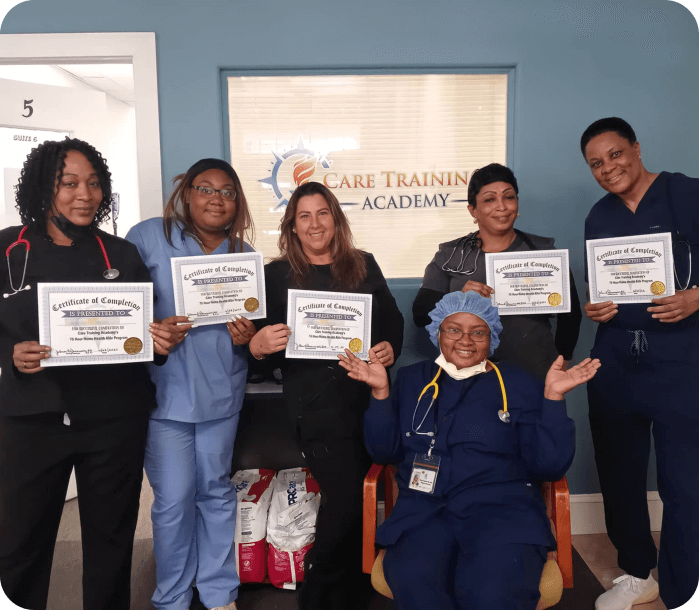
{"x":199,"y":394}
{"x":650,"y":380}
{"x":469,"y":529}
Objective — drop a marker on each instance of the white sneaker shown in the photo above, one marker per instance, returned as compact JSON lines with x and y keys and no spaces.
{"x":628,"y":591}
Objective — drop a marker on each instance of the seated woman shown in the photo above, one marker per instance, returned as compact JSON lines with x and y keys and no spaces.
{"x":526,"y":340}
{"x":469,"y":529}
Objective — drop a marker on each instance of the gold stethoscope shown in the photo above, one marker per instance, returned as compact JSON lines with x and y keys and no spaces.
{"x":503,"y":413}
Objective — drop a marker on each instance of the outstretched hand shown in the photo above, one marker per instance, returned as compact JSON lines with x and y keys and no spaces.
{"x":372,"y":373}
{"x":559,"y":381}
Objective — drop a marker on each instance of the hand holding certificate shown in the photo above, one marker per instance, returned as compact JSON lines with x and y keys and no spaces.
{"x":529,"y":282}
{"x":95,"y":323}
{"x":634,"y":269}
{"x":213,"y":289}
{"x":324,"y":324}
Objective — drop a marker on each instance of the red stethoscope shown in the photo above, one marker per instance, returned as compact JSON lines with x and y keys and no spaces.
{"x":109,"y":274}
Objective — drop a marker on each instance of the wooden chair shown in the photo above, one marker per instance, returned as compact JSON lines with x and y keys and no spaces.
{"x":558,"y":570}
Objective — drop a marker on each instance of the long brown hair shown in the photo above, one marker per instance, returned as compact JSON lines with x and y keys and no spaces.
{"x":177,"y":208}
{"x":349,"y":265}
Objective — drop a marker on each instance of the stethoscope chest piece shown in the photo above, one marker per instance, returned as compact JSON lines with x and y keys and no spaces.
{"x":111,"y":274}
{"x":504,"y":416}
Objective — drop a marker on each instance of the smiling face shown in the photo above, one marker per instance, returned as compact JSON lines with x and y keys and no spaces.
{"x":496,"y":208}
{"x":211,"y":215}
{"x":78,"y":194}
{"x":615,"y":162}
{"x":315,"y":227}
{"x":463,"y":352}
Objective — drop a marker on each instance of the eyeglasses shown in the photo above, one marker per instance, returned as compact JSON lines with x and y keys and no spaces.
{"x":454,"y":334}
{"x":208,"y":192}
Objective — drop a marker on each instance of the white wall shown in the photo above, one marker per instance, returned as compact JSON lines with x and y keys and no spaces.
{"x":106,"y":123}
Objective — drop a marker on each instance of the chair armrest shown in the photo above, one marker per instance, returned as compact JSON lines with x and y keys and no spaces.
{"x":369,"y":517}
{"x":557,"y":499}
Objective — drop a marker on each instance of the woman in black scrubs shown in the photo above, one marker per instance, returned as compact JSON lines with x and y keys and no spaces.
{"x":649,"y":381}
{"x":325,"y":407}
{"x":92,"y":418}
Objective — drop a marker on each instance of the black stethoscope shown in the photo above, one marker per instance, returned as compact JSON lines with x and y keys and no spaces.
{"x":470,"y":241}
{"x":467,"y":245}
{"x":109,"y":274}
{"x":678,"y":238}
{"x":503,"y":413}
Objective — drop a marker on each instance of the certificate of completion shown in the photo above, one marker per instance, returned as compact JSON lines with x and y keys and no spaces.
{"x":213,"y":288}
{"x":323,"y":324}
{"x":529,"y":282}
{"x":634,"y":269}
{"x":95,"y":323}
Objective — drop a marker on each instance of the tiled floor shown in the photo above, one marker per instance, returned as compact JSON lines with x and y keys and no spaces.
{"x":600,"y":556}
{"x":65,"y":594}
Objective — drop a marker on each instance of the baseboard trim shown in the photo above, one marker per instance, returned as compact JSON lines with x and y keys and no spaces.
{"x":587,"y":513}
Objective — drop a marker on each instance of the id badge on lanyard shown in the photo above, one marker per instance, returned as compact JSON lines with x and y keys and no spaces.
{"x":424,"y":475}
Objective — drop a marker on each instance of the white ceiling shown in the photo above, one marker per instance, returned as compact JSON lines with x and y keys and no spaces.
{"x":114,"y":79}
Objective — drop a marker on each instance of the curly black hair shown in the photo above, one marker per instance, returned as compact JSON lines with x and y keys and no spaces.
{"x":43,"y":169}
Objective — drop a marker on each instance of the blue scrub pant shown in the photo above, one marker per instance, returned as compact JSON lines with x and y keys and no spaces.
{"x":629,"y":398}
{"x":194,"y":509}
{"x":426,"y":568}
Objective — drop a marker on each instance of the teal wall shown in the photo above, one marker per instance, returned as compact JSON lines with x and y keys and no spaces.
{"x":574,"y":63}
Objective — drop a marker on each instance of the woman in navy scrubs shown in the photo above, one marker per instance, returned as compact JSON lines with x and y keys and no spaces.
{"x":470,"y":529}
{"x":650,"y":380}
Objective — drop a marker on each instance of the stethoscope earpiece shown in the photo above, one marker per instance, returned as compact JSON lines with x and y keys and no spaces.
{"x":6,"y":295}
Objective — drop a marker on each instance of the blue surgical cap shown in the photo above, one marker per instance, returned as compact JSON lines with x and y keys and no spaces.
{"x":466,"y":302}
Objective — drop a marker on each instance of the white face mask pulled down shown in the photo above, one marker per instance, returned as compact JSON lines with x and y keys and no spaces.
{"x":451,"y":370}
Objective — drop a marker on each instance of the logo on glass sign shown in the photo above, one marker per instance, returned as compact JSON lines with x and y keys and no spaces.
{"x":293,"y":168}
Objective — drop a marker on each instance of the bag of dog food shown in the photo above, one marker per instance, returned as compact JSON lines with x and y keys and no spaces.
{"x":291,"y":525}
{"x":254,"y":492}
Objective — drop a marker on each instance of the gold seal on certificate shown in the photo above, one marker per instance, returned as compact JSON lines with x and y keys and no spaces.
{"x":632,"y":269}
{"x":213,"y":288}
{"x":96,"y":323}
{"x":657,"y":288}
{"x":529,"y":281}
{"x":133,"y":345}
{"x":554,"y":299}
{"x":355,"y":345}
{"x":325,"y":324}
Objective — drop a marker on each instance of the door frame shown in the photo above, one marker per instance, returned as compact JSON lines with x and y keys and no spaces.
{"x":137,"y":48}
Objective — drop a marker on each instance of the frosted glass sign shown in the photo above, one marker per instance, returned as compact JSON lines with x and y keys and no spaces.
{"x":396,"y":150}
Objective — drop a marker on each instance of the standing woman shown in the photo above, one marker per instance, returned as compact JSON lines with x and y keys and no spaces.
{"x":93,"y":418}
{"x":325,"y":407}
{"x":649,"y":381}
{"x":526,"y":340}
{"x":200,"y":393}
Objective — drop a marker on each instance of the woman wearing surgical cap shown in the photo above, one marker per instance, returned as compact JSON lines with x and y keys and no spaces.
{"x":469,"y":529}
